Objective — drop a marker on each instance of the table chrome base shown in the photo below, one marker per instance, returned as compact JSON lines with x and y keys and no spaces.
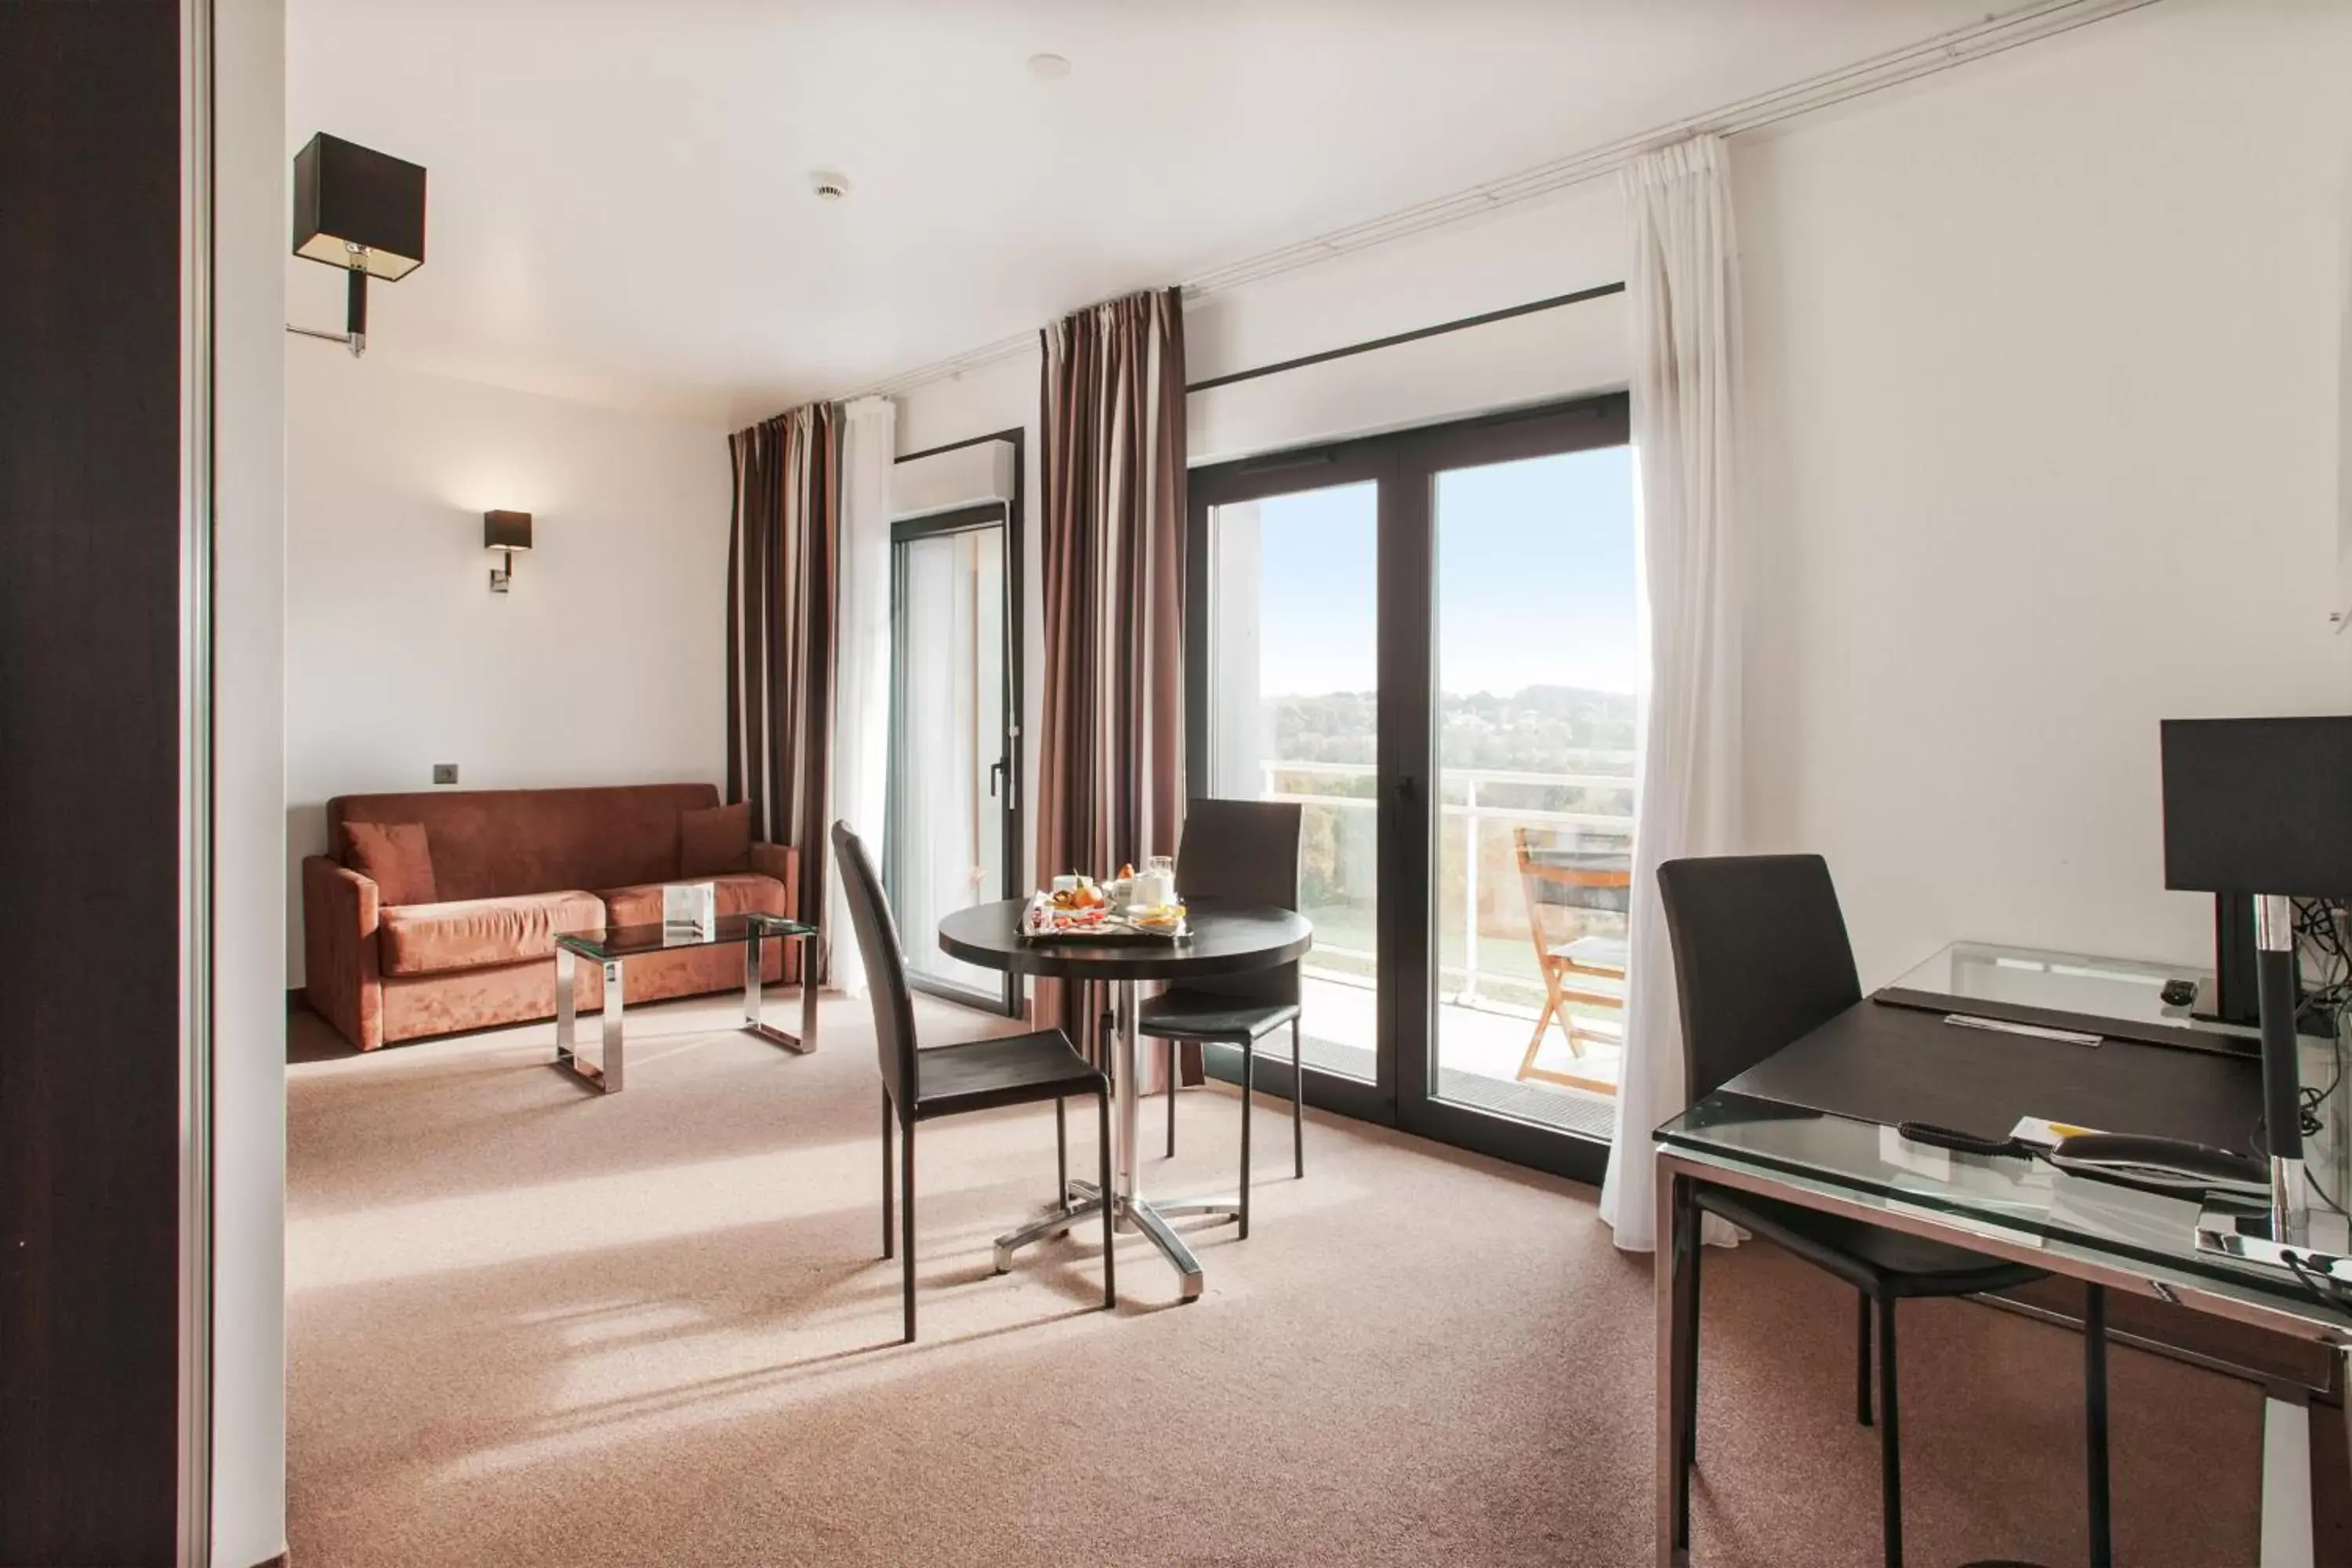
{"x":1083,"y":1202}
{"x":606,"y":1075}
{"x":803,"y":1043}
{"x":776,"y":1037}
{"x":2245,"y":1233}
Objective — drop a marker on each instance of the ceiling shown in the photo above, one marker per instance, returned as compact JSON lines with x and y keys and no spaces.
{"x":621,"y":209}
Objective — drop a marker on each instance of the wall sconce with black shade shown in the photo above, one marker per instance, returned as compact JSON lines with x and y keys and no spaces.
{"x":2262,"y":809}
{"x":505,"y":532}
{"x":360,"y":210}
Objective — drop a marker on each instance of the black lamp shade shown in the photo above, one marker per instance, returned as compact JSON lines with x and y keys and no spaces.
{"x":506,"y":531}
{"x":2259,"y":807}
{"x":347,"y":194}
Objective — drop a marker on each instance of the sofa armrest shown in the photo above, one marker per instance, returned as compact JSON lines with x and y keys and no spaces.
{"x":340,"y":974}
{"x":782,"y":862}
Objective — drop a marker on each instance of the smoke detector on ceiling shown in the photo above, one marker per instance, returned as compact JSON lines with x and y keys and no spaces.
{"x":829,"y":188}
{"x":1050,"y":67}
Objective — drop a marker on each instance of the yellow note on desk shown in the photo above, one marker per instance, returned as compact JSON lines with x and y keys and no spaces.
{"x":2044,"y":1134}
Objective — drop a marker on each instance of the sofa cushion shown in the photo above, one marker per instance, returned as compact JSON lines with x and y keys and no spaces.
{"x":426,"y":939}
{"x":741,"y":894}
{"x":714,"y":841}
{"x":395,"y":857}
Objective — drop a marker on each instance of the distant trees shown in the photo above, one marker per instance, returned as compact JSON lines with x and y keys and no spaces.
{"x":1561,"y":730}
{"x":1536,"y":729}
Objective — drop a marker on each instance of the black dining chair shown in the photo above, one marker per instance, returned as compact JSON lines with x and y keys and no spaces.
{"x":1236,"y":852}
{"x":1761,"y":958}
{"x":948,"y":1081}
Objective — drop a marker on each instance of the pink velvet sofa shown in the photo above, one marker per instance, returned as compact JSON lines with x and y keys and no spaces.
{"x":513,"y":870}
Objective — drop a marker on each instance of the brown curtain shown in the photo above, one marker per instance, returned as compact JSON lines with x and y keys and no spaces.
{"x":1111,"y":764}
{"x":782,"y":579}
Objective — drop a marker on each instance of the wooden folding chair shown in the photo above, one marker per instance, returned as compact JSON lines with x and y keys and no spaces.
{"x":1576,"y":968}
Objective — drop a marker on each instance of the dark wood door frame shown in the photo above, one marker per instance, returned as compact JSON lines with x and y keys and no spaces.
{"x":105,"y":431}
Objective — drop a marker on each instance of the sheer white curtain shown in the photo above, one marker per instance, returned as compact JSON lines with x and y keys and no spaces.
{"x":1684,"y":291}
{"x":938,"y":805}
{"x":861,"y":700}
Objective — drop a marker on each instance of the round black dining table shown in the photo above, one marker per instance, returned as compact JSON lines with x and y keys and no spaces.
{"x":1223,"y":940}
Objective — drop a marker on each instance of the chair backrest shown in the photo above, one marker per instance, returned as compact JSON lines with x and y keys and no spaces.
{"x":1575,"y":871}
{"x":1242,"y":852}
{"x":1760,"y":958}
{"x":886,"y":967}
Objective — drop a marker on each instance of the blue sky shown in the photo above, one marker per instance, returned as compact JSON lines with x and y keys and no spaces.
{"x":1536,"y":580}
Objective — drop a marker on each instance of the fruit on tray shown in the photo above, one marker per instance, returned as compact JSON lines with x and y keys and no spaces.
{"x":1082,"y":895}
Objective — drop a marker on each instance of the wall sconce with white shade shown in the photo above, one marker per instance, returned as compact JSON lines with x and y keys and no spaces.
{"x":506,"y":532}
{"x":360,"y":210}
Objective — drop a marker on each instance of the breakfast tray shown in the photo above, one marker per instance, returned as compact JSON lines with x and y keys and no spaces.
{"x":1037,"y":925}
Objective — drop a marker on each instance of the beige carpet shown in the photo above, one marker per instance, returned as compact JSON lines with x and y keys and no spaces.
{"x":531,"y":1326}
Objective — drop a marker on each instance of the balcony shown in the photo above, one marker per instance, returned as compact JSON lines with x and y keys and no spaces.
{"x":1490,"y":982}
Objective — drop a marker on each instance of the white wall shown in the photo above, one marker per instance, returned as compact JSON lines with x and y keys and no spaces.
{"x":606,"y":664}
{"x":1572,"y":240}
{"x":2044,"y":365}
{"x":249,"y":1501}
{"x":2043,"y":369}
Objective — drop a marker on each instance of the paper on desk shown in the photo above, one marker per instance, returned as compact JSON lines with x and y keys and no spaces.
{"x":2043,"y":1134}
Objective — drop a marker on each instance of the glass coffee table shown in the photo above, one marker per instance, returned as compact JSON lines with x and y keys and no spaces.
{"x":616,"y":947}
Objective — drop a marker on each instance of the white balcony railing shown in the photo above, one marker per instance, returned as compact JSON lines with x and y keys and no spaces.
{"x":1473,"y":813}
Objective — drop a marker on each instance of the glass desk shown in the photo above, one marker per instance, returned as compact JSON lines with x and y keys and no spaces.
{"x":616,"y":947}
{"x":2008,"y":1207}
{"x":2031,"y":986}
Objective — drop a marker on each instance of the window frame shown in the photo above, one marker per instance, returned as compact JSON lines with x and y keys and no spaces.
{"x":1405,"y":464}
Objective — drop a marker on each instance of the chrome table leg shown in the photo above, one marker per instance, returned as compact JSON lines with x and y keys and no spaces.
{"x":808,"y":993}
{"x":565,"y":1015}
{"x":1059,"y":1222}
{"x":1134,"y":1211}
{"x":611,"y":1068}
{"x":1171,"y":1246}
{"x":751,"y":982}
{"x":605,"y":1074}
{"x":1130,"y":1210}
{"x":800,"y":1044}
{"x":1129,"y":1106}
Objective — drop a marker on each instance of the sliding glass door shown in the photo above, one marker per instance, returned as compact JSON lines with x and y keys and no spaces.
{"x":1535,"y":664}
{"x":1430,"y":641}
{"x":1287,"y":651}
{"x":954,"y":818}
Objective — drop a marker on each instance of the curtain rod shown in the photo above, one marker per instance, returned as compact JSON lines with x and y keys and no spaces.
{"x":1958,"y":46}
{"x":1505,"y":314}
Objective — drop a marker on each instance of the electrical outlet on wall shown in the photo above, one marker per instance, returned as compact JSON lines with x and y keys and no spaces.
{"x":445,"y":772}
